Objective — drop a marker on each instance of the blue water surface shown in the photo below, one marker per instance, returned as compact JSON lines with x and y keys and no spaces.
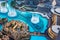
{"x":38,"y":38}
{"x":1,"y":27}
{"x":26,"y":18}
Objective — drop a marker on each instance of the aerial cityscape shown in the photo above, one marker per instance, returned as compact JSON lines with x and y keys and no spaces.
{"x":29,"y":19}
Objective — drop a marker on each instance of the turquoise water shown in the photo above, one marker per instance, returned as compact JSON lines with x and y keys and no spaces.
{"x":1,"y":27}
{"x":35,"y":27}
{"x":26,"y":18}
{"x":38,"y":38}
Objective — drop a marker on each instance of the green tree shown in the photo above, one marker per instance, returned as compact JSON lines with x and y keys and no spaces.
{"x":13,"y":3}
{"x":3,"y":3}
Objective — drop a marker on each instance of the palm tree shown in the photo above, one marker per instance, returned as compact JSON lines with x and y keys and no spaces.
{"x":3,"y":4}
{"x":13,"y":3}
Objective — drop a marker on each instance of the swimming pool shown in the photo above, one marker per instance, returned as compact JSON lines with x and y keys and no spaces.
{"x":25,"y":17}
{"x":38,"y":38}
